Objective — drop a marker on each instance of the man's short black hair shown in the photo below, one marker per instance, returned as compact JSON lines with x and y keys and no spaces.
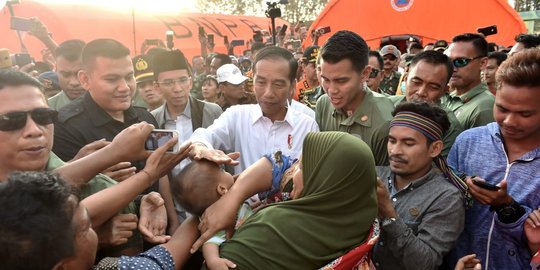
{"x":428,"y":110}
{"x":12,"y":78}
{"x":434,"y":58}
{"x":274,"y":52}
{"x":345,"y":44}
{"x":498,"y":56}
{"x":36,"y":228}
{"x":478,"y":41}
{"x":377,"y":55}
{"x":71,"y":50}
{"x":108,"y":48}
{"x":223,"y":59}
{"x":528,"y":40}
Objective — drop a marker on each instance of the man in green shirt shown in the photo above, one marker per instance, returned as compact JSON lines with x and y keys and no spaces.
{"x":26,"y":144}
{"x":68,"y":63}
{"x":348,"y":105}
{"x":390,"y":82}
{"x":469,"y":99}
{"x":427,"y":81}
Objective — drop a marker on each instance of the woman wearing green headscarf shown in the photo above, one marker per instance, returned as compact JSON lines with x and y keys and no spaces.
{"x":334,"y":213}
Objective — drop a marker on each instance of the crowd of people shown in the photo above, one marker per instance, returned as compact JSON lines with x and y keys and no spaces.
{"x":337,"y":156}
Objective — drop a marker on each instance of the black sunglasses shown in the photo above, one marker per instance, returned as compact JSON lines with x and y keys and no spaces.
{"x":17,"y":120}
{"x":463,"y":61}
{"x":374,"y":72}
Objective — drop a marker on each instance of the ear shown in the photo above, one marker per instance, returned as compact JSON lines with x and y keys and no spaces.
{"x":84,"y":79}
{"x":221,"y":189}
{"x":365,"y":73}
{"x":435,"y":148}
{"x":483,"y":63}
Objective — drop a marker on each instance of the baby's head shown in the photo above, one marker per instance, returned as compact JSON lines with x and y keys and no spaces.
{"x":199,"y":185}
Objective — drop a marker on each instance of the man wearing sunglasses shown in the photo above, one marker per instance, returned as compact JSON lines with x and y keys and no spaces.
{"x":376,"y":63}
{"x":391,"y":56}
{"x":426,"y":81}
{"x":505,"y":153}
{"x":469,"y":98}
{"x":26,"y":140}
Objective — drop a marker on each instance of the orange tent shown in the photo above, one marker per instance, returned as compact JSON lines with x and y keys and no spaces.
{"x":88,"y":22}
{"x":376,"y":20}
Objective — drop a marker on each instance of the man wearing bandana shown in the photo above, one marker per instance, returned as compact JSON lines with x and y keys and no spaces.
{"x":421,"y":207}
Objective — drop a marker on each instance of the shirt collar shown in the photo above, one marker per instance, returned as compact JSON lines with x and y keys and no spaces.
{"x":100,"y":117}
{"x":362,"y":114}
{"x":186,"y":112}
{"x":414,"y":184}
{"x":257,"y":114}
{"x":475,"y":91}
{"x":495,"y":132}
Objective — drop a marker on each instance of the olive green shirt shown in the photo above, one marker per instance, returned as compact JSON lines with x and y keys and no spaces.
{"x":58,"y":101}
{"x":451,"y":134}
{"x":472,"y":109}
{"x":390,"y":84}
{"x":370,"y":121}
{"x":96,"y":184}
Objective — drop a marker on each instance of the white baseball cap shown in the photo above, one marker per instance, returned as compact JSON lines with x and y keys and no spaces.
{"x":231,"y":74}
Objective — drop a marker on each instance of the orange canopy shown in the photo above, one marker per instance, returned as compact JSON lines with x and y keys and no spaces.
{"x":430,"y":20}
{"x":88,"y":22}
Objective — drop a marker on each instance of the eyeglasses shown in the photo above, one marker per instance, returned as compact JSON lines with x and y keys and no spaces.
{"x":171,"y":83}
{"x":374,"y":73}
{"x":17,"y":120}
{"x":463,"y":61}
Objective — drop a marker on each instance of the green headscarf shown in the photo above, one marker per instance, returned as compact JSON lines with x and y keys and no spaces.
{"x":334,"y":213}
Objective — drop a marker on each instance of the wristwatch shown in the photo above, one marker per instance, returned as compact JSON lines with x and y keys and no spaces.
{"x":510,"y":213}
{"x":387,"y":221}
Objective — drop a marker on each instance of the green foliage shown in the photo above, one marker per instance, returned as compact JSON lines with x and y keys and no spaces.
{"x":295,"y":11}
{"x":526,"y":5}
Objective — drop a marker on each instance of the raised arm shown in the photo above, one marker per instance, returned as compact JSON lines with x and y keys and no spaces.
{"x":106,"y":203}
{"x":222,"y":214}
{"x":127,"y":145}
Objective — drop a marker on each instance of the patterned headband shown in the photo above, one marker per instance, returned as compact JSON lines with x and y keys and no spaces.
{"x":420,"y":123}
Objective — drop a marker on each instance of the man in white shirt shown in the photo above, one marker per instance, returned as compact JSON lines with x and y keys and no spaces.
{"x":263,"y":128}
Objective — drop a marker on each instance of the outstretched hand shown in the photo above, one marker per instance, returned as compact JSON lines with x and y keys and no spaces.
{"x":199,"y":152}
{"x":153,"y":219}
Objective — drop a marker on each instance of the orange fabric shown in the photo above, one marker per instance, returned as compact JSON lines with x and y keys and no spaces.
{"x":88,"y":22}
{"x":301,"y":86}
{"x":430,"y":20}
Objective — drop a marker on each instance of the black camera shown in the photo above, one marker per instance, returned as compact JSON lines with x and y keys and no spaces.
{"x":273,"y":10}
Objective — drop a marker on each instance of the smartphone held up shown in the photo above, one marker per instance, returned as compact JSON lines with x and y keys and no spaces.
{"x":159,"y":137}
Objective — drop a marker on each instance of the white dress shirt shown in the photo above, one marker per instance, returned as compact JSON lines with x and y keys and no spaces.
{"x":303,"y":108}
{"x":244,"y":129}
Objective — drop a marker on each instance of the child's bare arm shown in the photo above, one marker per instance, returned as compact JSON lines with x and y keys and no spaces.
{"x":212,"y":259}
{"x":532,"y":230}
